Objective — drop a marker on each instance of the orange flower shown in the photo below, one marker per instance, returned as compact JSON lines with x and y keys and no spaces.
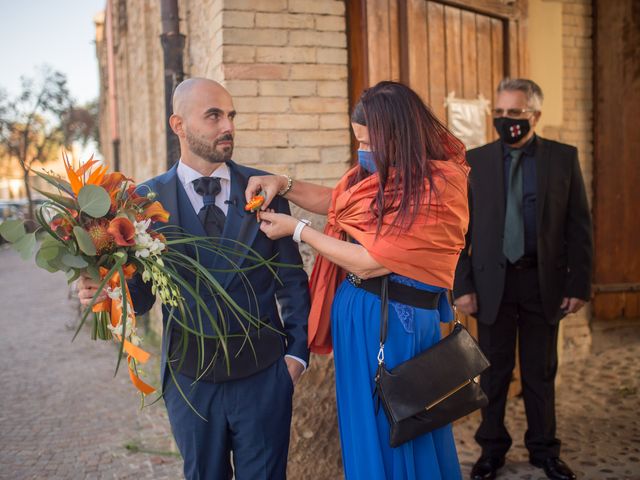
{"x":102,"y":239}
{"x":156,"y":212}
{"x":123,"y":231}
{"x":254,"y":204}
{"x":76,"y":176}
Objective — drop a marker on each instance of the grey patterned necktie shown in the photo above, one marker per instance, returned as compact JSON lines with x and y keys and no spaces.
{"x":211,"y":216}
{"x":513,"y":246}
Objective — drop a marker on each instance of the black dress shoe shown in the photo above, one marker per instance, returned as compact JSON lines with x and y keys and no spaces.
{"x":486,"y":468}
{"x":555,"y":469}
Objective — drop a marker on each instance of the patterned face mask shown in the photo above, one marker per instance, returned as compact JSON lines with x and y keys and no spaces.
{"x":511,"y":130}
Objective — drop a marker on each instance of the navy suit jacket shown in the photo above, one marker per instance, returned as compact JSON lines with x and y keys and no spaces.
{"x":266,"y":294}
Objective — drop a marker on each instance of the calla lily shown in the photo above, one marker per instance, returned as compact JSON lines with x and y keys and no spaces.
{"x":156,"y":212}
{"x":123,"y":231}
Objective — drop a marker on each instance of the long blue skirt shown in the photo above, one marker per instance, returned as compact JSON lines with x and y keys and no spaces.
{"x":364,"y":434}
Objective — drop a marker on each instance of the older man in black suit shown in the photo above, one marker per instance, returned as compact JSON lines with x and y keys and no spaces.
{"x":526,"y":264}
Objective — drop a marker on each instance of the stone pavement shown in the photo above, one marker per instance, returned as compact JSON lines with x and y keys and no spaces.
{"x":64,"y":416}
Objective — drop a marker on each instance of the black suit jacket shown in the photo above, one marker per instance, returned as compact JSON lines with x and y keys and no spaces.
{"x":563,"y":221}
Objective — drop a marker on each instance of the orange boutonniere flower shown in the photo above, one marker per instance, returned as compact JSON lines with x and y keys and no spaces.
{"x":255,"y":203}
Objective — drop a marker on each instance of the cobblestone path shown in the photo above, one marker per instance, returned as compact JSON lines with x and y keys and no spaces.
{"x":64,"y":416}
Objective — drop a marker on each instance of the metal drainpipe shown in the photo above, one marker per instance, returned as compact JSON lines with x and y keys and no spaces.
{"x":173,"y":46}
{"x":112,"y":98}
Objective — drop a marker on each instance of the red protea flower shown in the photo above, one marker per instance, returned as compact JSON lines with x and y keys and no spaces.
{"x":98,"y":230}
{"x":123,"y":231}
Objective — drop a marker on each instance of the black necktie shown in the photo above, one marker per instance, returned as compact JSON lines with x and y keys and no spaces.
{"x":513,"y":246}
{"x":211,"y":216}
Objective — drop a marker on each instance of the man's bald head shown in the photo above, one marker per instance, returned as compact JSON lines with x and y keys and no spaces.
{"x":187,"y":93}
{"x":203,"y":116}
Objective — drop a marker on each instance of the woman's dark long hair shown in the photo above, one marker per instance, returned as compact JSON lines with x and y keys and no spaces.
{"x":406,"y":135}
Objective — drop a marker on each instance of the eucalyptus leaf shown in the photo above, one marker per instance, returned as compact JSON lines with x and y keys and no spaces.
{"x":94,"y":201}
{"x":72,"y":275}
{"x":74,"y":261}
{"x":26,"y":245}
{"x":93,"y":272}
{"x":44,"y":263}
{"x":84,"y":241}
{"x":49,"y":251}
{"x":12,"y":230}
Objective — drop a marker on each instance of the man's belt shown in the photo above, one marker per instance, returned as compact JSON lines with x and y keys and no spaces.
{"x":398,"y":292}
{"x":528,"y":261}
{"x":248,"y":354}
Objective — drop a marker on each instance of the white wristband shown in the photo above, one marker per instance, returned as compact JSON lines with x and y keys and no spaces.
{"x":298,"y":231}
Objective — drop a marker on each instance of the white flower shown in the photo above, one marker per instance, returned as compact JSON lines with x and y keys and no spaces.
{"x":114,"y":293}
{"x":141,"y":227}
{"x":144,"y":253}
{"x":146,"y":275}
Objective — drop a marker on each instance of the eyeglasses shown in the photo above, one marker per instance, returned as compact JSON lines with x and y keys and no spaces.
{"x":511,"y":112}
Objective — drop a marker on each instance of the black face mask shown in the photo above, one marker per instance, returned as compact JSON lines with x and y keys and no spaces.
{"x":511,"y":130}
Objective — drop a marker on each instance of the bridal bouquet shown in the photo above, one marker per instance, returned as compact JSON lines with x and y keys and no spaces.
{"x":103,"y":225}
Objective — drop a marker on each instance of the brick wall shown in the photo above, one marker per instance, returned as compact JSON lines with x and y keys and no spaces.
{"x":285,"y":64}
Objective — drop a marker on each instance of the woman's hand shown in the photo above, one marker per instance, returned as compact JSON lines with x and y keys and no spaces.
{"x":269,"y":184}
{"x":277,"y":225}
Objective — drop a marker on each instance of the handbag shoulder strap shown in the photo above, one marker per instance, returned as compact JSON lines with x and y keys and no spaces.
{"x":384,"y":316}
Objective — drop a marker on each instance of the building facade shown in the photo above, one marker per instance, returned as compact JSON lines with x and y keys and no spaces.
{"x":296,"y":67}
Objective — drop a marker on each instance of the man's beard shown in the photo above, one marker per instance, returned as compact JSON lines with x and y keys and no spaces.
{"x":208,"y":151}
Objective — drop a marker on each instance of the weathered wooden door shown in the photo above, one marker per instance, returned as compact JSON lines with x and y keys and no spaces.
{"x":616,"y":169}
{"x":438,"y":47}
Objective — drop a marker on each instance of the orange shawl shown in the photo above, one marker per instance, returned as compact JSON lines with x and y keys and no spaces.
{"x":427,"y":251}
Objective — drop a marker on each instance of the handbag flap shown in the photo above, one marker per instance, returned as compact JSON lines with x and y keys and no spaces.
{"x":431,"y":375}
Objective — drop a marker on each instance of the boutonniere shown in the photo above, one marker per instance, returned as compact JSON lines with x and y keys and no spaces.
{"x":255,"y":203}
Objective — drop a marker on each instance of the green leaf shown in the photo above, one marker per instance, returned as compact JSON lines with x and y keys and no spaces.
{"x":94,"y":273}
{"x":49,"y":251}
{"x":26,"y":245}
{"x":12,"y":230}
{"x":72,"y":275}
{"x":59,"y":199}
{"x":55,"y":181}
{"x":74,"y":261}
{"x":94,"y":201}
{"x":44,"y":263}
{"x":84,"y":241}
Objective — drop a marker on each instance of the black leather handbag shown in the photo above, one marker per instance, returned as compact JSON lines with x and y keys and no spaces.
{"x":432,"y":389}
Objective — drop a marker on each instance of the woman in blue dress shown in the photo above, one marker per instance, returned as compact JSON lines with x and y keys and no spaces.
{"x":401,"y":212}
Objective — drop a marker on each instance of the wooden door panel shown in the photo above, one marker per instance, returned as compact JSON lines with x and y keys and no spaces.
{"x":453,"y":50}
{"x":616,"y":152}
{"x":437,"y":56}
{"x":469,"y":55}
{"x":418,"y":57}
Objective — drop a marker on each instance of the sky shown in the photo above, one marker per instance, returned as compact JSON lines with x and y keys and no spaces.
{"x":59,"y":33}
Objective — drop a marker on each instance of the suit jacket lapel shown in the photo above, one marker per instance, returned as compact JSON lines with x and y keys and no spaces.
{"x":496,"y":178}
{"x":240,"y":227}
{"x":166,"y":190}
{"x":542,"y":174}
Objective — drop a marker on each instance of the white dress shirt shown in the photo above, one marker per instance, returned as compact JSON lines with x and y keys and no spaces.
{"x":187,"y":175}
